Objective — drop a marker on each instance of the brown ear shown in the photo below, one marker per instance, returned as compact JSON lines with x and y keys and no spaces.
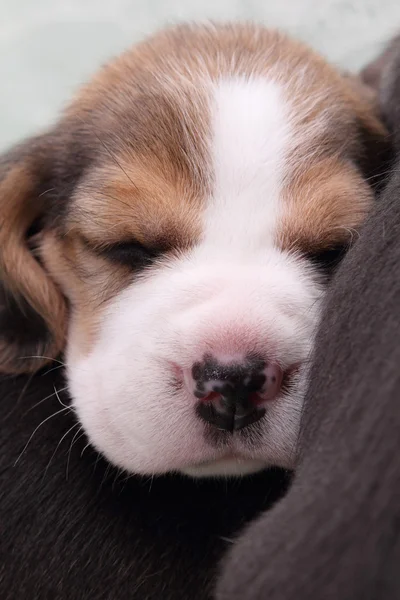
{"x":375,"y":71}
{"x":32,"y":309}
{"x":376,"y":152}
{"x":384,"y":75}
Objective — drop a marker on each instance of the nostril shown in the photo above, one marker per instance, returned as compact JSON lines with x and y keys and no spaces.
{"x":211,"y":397}
{"x":250,"y":375}
{"x":253,"y":399}
{"x":232,"y":395}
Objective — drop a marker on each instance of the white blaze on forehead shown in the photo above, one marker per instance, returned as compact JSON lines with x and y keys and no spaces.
{"x":250,"y":137}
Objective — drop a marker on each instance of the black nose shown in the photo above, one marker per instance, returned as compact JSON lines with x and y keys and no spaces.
{"x":228,"y":393}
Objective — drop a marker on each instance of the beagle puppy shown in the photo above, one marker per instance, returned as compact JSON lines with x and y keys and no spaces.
{"x":172,"y":235}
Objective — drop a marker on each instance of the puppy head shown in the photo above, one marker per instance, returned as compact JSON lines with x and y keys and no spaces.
{"x":186,"y":206}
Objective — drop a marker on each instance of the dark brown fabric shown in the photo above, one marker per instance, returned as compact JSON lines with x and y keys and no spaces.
{"x":73,"y":528}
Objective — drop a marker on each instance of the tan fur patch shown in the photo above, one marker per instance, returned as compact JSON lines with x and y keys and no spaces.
{"x":87,"y":279}
{"x":323,"y":206}
{"x":137,"y":200}
{"x":20,"y":273}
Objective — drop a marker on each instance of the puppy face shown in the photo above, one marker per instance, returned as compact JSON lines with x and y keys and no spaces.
{"x":181,"y":208}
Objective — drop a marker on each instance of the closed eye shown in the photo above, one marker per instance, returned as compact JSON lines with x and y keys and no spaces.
{"x":328,"y":259}
{"x":131,"y":254}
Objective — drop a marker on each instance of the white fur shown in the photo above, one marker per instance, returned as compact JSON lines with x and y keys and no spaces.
{"x":232,"y":294}
{"x":251,"y":134}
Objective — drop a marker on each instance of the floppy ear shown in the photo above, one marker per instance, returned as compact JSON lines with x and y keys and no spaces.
{"x":376,"y":70}
{"x":384,"y":75}
{"x":32,"y":309}
{"x":377,"y":151}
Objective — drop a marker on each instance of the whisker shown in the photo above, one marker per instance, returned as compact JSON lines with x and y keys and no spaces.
{"x":41,"y":357}
{"x":40,"y":401}
{"x":59,"y":399}
{"x":53,"y":369}
{"x":46,"y":192}
{"x":20,"y":397}
{"x":58,"y":445}
{"x":125,"y":481}
{"x":38,"y":356}
{"x":151,"y":483}
{"x":118,"y":475}
{"x":116,"y":161}
{"x":74,"y":439}
{"x":35,"y":430}
{"x":87,"y":446}
{"x":96,"y":462}
{"x":120,"y":201}
{"x":387,"y":172}
{"x":25,"y":388}
{"x":112,"y":155}
{"x":226,"y":539}
{"x":104,"y":477}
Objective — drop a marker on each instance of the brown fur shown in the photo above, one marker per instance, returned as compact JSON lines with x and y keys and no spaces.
{"x":22,"y":275}
{"x":86,"y":278}
{"x":130,"y":159}
{"x":324,"y":207}
{"x":140,"y":200}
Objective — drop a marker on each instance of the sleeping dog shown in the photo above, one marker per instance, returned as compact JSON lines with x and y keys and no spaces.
{"x":172,"y":235}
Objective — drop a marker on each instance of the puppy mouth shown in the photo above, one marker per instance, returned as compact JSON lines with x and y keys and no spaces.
{"x":230,"y":464}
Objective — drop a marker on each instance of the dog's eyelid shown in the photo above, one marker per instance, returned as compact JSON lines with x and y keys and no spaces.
{"x":123,"y":245}
{"x":328,"y":258}
{"x":129,"y":252}
{"x":333,"y":248}
{"x":104,"y":247}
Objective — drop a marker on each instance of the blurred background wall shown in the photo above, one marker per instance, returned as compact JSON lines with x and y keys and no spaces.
{"x":48,"y":47}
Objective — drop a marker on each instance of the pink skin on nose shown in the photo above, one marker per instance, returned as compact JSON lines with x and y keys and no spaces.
{"x":273,"y":382}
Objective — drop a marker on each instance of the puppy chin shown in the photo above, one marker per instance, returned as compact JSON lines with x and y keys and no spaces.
{"x":229,"y":466}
